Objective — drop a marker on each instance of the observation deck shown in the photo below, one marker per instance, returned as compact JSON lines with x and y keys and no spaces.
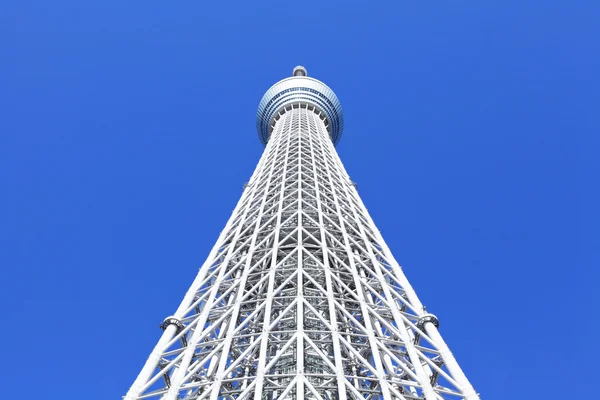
{"x":299,"y":89}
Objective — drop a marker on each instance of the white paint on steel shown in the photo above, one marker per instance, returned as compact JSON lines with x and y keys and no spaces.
{"x":301,"y":298}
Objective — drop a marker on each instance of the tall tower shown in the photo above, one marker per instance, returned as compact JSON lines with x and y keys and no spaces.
{"x":300,"y":298}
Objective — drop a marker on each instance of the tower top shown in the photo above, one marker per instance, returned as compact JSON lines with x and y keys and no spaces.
{"x":299,"y":71}
{"x":295,"y":90}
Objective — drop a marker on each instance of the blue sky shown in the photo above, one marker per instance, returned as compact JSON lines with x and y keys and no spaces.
{"x":127,"y":133}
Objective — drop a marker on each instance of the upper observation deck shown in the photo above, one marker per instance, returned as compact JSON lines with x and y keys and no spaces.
{"x":299,"y":89}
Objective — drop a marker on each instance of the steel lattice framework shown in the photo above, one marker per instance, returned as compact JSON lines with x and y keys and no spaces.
{"x":300,"y":297}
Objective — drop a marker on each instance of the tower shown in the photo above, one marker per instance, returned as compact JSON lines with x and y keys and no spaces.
{"x":300,"y":298}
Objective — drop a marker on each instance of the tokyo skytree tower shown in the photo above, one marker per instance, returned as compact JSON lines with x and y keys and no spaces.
{"x":300,"y":298}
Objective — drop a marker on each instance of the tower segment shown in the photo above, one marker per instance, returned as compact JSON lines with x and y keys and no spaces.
{"x":300,"y":298}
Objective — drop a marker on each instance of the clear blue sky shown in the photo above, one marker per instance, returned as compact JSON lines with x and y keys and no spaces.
{"x":127,"y":132}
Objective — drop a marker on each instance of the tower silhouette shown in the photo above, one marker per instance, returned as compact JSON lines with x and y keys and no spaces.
{"x":300,"y":298}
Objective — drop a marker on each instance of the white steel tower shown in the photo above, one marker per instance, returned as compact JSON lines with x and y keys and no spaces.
{"x":300,"y":298}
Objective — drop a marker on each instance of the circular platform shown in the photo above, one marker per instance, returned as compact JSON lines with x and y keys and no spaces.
{"x":304,"y":90}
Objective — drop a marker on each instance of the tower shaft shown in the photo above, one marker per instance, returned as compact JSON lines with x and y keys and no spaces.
{"x":300,"y":297}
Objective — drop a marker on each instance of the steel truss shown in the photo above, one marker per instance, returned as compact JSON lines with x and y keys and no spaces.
{"x":300,"y":297}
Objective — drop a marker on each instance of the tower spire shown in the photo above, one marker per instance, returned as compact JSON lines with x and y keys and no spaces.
{"x":299,"y":71}
{"x":300,"y":298}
